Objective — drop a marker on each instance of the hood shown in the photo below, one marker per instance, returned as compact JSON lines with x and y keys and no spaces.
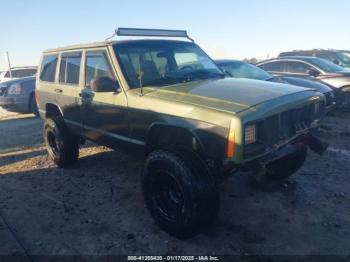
{"x":229,"y":94}
{"x":344,"y":73}
{"x":307,"y":83}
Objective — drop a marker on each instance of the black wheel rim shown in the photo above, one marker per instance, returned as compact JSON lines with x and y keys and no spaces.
{"x":167,"y":196}
{"x":52,"y":143}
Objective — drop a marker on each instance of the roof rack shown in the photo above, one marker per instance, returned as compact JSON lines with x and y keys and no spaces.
{"x":124,"y":31}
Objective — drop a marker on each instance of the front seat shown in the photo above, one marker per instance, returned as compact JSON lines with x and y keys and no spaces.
{"x":149,"y":70}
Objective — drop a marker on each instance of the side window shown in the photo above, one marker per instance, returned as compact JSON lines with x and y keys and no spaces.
{"x":70,"y":68}
{"x":298,"y":67}
{"x":48,"y":68}
{"x":277,"y":66}
{"x":96,"y":65}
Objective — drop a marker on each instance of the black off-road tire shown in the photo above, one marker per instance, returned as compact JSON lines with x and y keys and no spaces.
{"x":33,"y":108}
{"x":287,"y":165}
{"x":62,"y":146}
{"x":179,"y":192}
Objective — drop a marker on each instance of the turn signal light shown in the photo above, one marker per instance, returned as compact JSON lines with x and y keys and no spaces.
{"x":230,"y":151}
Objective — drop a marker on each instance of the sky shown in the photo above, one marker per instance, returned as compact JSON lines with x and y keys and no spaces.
{"x":223,"y":28}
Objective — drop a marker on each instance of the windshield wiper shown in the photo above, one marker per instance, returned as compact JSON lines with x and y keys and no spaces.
{"x":271,"y":78}
{"x":166,"y":80}
{"x":203,"y":74}
{"x":190,"y":76}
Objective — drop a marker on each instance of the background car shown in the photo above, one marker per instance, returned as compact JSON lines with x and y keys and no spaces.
{"x":240,"y":69}
{"x":310,"y":68}
{"x":19,"y":95}
{"x":17,"y":72}
{"x":339,"y":57}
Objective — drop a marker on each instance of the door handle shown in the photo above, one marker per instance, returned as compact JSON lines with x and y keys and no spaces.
{"x":57,"y":90}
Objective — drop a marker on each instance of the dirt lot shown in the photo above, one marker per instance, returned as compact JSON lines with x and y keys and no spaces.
{"x":96,"y":207}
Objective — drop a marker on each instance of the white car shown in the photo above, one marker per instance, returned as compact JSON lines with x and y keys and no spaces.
{"x":17,"y":72}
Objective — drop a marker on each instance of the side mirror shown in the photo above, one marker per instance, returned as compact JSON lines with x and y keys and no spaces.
{"x":313,"y":72}
{"x":337,"y":62}
{"x":104,"y":84}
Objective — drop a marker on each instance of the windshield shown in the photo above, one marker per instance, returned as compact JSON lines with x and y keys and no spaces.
{"x":326,"y":65}
{"x":344,"y":58}
{"x":240,"y":69}
{"x":160,"y":63}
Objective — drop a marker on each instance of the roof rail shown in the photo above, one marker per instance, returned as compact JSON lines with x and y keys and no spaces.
{"x":124,"y":31}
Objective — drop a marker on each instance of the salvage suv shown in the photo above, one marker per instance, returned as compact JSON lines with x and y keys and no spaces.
{"x":168,"y":100}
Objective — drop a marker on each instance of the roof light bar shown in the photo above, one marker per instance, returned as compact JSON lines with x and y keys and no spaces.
{"x":122,"y":31}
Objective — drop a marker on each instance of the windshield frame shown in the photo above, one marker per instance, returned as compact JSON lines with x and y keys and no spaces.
{"x":154,"y":44}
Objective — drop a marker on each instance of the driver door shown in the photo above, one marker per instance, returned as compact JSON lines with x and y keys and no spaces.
{"x":104,"y":111}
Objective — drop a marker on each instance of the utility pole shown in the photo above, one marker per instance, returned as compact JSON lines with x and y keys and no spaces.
{"x":7,"y":58}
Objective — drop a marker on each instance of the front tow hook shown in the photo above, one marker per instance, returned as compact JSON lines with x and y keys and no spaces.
{"x":316,"y":144}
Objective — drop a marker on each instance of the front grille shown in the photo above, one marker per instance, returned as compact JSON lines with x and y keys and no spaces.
{"x":2,"y":90}
{"x":286,"y":124}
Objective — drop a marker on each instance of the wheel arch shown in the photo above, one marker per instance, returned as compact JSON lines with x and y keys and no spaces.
{"x":52,"y":110}
{"x":162,"y":135}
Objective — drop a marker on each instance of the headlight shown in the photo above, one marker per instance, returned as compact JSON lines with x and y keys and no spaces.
{"x":250,"y":134}
{"x":14,"y":89}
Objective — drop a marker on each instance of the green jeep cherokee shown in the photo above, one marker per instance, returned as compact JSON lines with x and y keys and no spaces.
{"x":168,"y":100}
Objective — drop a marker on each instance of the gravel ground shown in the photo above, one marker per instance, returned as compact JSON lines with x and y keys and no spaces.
{"x":96,"y":207}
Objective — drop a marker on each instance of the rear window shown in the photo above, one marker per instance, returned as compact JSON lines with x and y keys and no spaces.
{"x":48,"y":68}
{"x":70,"y":68}
{"x":23,"y":72}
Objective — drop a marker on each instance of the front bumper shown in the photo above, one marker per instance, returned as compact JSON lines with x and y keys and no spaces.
{"x":310,"y":140}
{"x":259,"y":163}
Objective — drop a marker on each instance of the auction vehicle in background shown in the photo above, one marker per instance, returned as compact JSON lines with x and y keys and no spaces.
{"x":17,"y":72}
{"x":307,"y":66}
{"x":167,"y":100}
{"x":19,"y":95}
{"x":240,"y":69}
{"x":338,"y":57}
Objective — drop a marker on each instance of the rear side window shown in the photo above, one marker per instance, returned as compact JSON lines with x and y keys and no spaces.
{"x":70,"y":68}
{"x":48,"y":68}
{"x":97,"y":65}
{"x":277,"y":66}
{"x":21,"y":72}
